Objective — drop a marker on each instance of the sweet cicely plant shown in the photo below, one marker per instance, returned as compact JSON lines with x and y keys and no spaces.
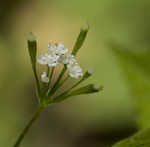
{"x":46,"y":91}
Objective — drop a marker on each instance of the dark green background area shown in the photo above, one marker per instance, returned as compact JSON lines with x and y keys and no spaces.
{"x":117,"y":48}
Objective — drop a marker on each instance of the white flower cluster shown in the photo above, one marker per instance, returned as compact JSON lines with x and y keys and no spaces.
{"x":57,"y":55}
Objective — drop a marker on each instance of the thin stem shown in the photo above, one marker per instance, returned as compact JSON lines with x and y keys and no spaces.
{"x":63,"y":81}
{"x":28,"y":126}
{"x":65,"y":93}
{"x":75,"y":85}
{"x":60,"y":84}
{"x":37,"y":82}
{"x":51,"y":75}
{"x":48,"y":70}
{"x":57,"y":81}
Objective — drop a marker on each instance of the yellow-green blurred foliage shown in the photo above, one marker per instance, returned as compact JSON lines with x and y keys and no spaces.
{"x":94,"y":120}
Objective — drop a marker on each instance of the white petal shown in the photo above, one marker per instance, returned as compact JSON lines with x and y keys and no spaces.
{"x":71,"y":59}
{"x":44,"y":77}
{"x":67,"y":59}
{"x":58,"y":49}
{"x":62,"y":59}
{"x":75,"y":71}
{"x":42,"y":59}
{"x":51,"y":48}
{"x":52,"y":60}
{"x":60,"y":46}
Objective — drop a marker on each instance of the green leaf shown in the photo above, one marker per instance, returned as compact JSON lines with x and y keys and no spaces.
{"x":136,"y":68}
{"x":140,"y":139}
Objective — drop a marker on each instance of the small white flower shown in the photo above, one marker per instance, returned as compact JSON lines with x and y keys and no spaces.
{"x":44,"y":77}
{"x":58,"y":49}
{"x":67,"y":59}
{"x":75,"y":71}
{"x":50,"y":60}
{"x":42,"y":59}
{"x":51,"y":48}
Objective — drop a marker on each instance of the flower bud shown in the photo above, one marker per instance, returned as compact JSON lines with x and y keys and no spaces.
{"x":32,"y":48}
{"x":85,"y":26}
{"x":88,"y":73}
{"x":81,"y":38}
{"x":97,"y":87}
{"x":88,"y":89}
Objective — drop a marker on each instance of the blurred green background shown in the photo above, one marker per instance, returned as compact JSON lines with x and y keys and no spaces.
{"x":117,"y":47}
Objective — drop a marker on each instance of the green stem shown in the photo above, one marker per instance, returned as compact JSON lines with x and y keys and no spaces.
{"x":37,"y":83}
{"x":48,"y":70}
{"x":28,"y":126}
{"x":54,"y":88}
{"x":62,"y":82}
{"x":51,"y":75}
